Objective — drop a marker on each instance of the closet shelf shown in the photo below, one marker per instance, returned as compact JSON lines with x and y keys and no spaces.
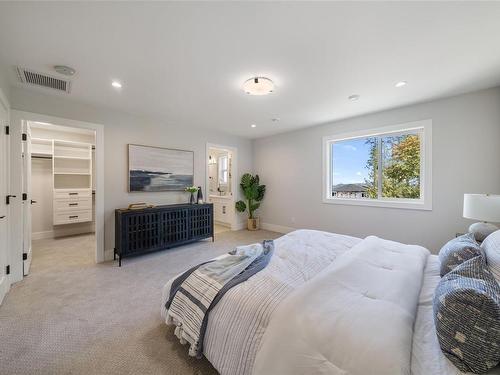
{"x":72,"y":157}
{"x":77,"y":173}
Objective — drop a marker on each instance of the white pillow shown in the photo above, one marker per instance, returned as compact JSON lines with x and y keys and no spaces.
{"x":491,"y":247}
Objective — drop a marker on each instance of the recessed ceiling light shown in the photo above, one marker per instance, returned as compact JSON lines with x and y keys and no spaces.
{"x":258,"y":86}
{"x":275,"y":119}
{"x":401,"y":84}
{"x":353,"y":98}
{"x":253,"y":126}
{"x":116,"y":84}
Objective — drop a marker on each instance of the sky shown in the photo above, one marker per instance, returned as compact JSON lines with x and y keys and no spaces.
{"x":349,"y":160}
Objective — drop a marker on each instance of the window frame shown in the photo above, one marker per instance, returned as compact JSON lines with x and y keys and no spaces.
{"x":424,"y":128}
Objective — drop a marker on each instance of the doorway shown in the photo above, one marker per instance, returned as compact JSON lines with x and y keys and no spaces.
{"x":220,"y":185}
{"x":60,"y":178}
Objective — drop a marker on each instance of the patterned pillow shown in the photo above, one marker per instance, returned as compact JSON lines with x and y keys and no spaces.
{"x":457,"y":251}
{"x":491,"y":247}
{"x":467,"y":316}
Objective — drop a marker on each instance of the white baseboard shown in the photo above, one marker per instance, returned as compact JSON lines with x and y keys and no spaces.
{"x":276,"y":228}
{"x":59,"y":233}
{"x":239,"y":226}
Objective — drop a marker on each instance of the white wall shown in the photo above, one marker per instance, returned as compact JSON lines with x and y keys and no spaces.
{"x":466,"y":158}
{"x":4,"y":85}
{"x":122,"y":128}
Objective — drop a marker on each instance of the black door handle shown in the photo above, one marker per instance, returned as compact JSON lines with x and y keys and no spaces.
{"x":32,"y":201}
{"x":7,"y":198}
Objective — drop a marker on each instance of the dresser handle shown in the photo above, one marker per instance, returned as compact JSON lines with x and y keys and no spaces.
{"x":73,"y":216}
{"x":73,"y":193}
{"x":73,"y":204}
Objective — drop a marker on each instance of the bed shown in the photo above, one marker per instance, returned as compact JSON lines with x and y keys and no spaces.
{"x":276,"y":307}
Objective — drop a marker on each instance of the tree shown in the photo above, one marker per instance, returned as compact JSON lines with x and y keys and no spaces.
{"x":372,"y":166}
{"x":401,"y":167}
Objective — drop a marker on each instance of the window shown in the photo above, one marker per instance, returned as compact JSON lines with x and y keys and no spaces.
{"x":388,"y":167}
{"x":223,"y":170}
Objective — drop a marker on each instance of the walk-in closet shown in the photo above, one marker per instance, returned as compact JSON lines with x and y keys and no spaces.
{"x":62,"y":183}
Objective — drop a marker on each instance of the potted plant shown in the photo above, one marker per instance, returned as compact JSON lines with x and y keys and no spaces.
{"x":254,"y":194}
{"x":192,"y":190}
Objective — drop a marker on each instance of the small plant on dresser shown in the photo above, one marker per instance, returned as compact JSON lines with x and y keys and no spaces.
{"x":254,"y":193}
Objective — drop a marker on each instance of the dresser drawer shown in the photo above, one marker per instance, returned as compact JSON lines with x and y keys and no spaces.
{"x":75,"y":216}
{"x":72,"y":204}
{"x":72,"y":194}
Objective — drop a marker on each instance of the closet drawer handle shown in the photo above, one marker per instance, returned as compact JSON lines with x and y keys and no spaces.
{"x":73,"y":216}
{"x":72,"y":204}
{"x":73,"y":193}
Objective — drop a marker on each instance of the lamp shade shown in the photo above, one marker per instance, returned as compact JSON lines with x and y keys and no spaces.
{"x":484,"y":207}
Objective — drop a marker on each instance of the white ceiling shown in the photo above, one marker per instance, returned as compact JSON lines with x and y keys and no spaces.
{"x":185,"y":62}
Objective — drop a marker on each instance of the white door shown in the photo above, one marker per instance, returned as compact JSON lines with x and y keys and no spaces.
{"x":4,"y":212}
{"x":26,"y":198}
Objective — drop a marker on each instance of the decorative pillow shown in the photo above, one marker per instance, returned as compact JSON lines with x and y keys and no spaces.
{"x":467,"y":316}
{"x":457,"y":251}
{"x":491,"y":247}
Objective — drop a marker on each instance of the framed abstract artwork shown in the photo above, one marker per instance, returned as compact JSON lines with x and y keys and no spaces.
{"x":159,"y":169}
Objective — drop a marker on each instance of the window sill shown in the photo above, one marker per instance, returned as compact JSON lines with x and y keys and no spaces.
{"x":401,"y":204}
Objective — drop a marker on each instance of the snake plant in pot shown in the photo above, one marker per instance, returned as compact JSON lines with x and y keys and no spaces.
{"x":253,"y":192}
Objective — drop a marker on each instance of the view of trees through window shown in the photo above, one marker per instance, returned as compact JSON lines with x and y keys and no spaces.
{"x":356,"y":171}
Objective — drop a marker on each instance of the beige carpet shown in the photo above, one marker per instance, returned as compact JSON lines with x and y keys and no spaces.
{"x":71,"y":316}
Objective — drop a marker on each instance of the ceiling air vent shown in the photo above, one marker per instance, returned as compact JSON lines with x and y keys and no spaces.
{"x":41,"y":79}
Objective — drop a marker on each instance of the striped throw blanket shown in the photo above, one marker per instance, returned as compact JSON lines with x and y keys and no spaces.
{"x":198,"y":290}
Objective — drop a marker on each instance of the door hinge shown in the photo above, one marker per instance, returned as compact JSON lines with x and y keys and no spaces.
{"x":7,"y":269}
{"x":7,"y":129}
{"x":25,"y":256}
{"x":25,"y":196}
{"x":24,"y":137}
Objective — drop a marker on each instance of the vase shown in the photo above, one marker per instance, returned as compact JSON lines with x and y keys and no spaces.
{"x":199,"y":198}
{"x":191,"y":199}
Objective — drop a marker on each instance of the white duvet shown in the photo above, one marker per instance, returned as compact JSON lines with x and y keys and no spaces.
{"x":331,"y":304}
{"x":356,"y":317}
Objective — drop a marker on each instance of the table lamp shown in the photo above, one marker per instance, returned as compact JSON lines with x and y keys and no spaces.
{"x":484,"y":207}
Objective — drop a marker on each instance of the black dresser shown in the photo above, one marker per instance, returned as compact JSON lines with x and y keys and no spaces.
{"x":161,"y":227}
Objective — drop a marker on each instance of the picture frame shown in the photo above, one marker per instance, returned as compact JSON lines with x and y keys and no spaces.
{"x":157,"y":169}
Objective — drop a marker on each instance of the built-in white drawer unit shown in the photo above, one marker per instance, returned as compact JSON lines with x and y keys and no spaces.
{"x":72,"y":206}
{"x":75,"y":216}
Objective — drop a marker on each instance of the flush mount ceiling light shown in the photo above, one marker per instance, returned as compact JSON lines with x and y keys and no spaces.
{"x":401,"y":84}
{"x":253,"y":126}
{"x":116,"y":84}
{"x":353,"y":98}
{"x":64,"y":70}
{"x":258,"y":86}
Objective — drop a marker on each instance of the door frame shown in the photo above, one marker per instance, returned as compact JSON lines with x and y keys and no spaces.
{"x":235,"y":224}
{"x":5,"y":284}
{"x":17,"y":119}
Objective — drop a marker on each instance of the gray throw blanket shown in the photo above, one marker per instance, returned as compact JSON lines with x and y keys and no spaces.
{"x":195,"y":293}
